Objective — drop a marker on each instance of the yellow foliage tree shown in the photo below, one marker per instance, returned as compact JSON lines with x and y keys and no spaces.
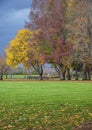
{"x":18,"y":48}
{"x":24,"y":49}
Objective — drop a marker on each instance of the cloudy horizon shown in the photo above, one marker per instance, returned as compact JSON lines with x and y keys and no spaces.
{"x":13,"y":15}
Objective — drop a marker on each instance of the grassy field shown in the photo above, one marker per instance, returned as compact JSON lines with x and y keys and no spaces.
{"x":44,"y":105}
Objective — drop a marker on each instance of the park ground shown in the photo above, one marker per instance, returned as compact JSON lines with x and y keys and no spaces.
{"x":45,"y":105}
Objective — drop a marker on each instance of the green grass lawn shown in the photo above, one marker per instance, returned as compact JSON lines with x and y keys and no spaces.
{"x":44,"y":105}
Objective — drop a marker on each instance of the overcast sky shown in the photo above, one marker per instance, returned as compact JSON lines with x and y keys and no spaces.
{"x":13,"y":14}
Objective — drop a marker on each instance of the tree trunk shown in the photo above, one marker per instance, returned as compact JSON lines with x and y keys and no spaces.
{"x":88,"y":74}
{"x":1,"y":77}
{"x":84,"y":72}
{"x":41,"y":77}
{"x":76,"y":71}
{"x":61,"y":75}
{"x":69,"y":76}
{"x":41,"y":72}
{"x":64,"y":75}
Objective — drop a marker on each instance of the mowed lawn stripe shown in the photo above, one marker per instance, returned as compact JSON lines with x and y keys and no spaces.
{"x":48,"y":91}
{"x":44,"y":105}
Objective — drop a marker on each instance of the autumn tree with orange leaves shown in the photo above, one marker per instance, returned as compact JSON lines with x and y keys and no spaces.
{"x":49,"y":17}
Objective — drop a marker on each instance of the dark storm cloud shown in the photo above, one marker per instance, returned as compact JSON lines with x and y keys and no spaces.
{"x":13,"y":14}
